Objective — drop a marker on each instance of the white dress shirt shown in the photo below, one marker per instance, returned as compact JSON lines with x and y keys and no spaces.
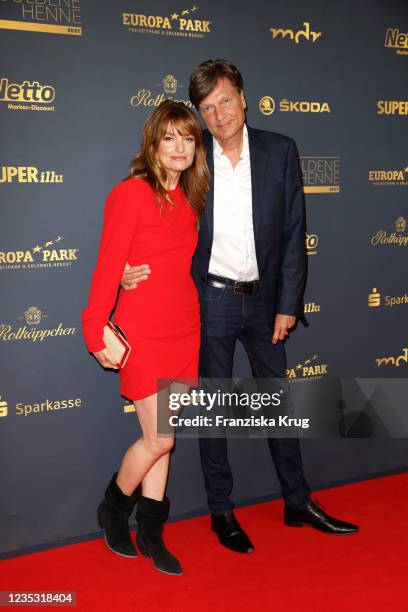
{"x":233,"y":250}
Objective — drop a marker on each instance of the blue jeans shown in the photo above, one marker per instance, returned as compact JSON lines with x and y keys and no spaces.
{"x":225,"y":318}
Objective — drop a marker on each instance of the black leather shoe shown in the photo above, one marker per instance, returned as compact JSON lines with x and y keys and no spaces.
{"x":230,"y":533}
{"x":314,"y":516}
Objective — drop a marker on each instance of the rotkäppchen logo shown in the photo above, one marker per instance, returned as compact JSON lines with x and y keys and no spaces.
{"x":396,"y":236}
{"x":47,"y":16}
{"x":28,"y":95}
{"x":320,"y":174}
{"x":394,"y":39}
{"x":29,"y":174}
{"x":166,"y":89}
{"x":302,"y":35}
{"x":183,"y":23}
{"x":32,"y":330}
{"x":268,"y":105}
{"x":54,"y":253}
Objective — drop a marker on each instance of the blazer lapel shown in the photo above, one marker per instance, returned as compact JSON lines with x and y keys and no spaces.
{"x":258,"y":166}
{"x":209,"y":205}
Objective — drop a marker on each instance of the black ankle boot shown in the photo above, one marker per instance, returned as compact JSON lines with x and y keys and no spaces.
{"x":113,"y":517}
{"x":151,"y":515}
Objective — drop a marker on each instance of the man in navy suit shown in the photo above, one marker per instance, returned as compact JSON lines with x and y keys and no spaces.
{"x":249,"y":268}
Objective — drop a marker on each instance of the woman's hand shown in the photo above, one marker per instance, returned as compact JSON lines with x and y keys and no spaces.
{"x":106,"y":359}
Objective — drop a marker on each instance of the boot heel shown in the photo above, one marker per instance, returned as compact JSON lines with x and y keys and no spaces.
{"x":99,"y":517}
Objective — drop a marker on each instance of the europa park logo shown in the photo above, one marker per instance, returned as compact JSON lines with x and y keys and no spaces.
{"x":310,"y":368}
{"x":50,"y":254}
{"x":28,"y":95}
{"x":32,"y":329}
{"x":389,"y":178}
{"x":166,"y":90}
{"x":300,"y":36}
{"x":267,"y":106}
{"x":181,"y":24}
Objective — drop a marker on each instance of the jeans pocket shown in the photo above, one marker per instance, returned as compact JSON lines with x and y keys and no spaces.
{"x":213,"y":294}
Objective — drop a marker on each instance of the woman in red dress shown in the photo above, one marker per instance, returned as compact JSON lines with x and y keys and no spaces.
{"x":151,"y":216}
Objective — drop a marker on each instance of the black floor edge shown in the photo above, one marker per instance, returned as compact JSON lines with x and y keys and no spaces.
{"x":193,"y":514}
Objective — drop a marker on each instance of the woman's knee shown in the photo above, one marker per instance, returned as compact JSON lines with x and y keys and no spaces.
{"x":160,"y":446}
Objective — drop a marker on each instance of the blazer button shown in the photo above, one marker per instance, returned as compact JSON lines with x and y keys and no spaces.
{"x":208,"y":250}
{"x":202,"y":278}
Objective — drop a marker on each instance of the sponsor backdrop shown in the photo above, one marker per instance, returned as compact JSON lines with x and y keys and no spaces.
{"x":78,"y":79}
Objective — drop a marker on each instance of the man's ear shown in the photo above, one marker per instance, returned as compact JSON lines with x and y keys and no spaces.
{"x":242,"y":96}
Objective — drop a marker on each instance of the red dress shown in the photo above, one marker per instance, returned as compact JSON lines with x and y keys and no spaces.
{"x":161,"y":317}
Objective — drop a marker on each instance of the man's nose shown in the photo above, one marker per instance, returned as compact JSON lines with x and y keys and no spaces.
{"x":219,"y":114}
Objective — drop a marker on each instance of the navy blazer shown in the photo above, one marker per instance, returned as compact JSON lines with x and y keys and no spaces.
{"x":279,"y":222}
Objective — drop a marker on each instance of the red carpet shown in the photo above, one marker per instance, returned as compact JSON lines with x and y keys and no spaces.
{"x":291,"y":570}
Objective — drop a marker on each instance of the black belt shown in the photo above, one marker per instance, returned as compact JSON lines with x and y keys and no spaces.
{"x":232,"y":285}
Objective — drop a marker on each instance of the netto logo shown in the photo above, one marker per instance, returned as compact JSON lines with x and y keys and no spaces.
{"x":394,"y":361}
{"x":3,"y":408}
{"x":169,"y":85}
{"x":27,"y":91}
{"x":311,"y":242}
{"x":394,"y":39}
{"x":267,"y":106}
{"x":305,"y":34}
{"x":374,"y":299}
{"x":46,"y":255}
{"x":389,"y":178}
{"x":29,"y":174}
{"x":307,"y":369}
{"x":395,"y":238}
{"x":392,"y":107}
{"x":182,"y":24}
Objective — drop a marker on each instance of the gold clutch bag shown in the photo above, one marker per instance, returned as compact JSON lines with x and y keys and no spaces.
{"x":115,"y":341}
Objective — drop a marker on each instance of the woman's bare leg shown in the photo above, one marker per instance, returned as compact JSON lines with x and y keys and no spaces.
{"x":146,"y":451}
{"x":148,"y":458}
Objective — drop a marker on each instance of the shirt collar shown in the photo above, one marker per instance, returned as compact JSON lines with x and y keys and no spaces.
{"x":245,"y":145}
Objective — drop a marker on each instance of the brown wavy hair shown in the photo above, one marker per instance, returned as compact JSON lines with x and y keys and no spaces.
{"x":146,"y":164}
